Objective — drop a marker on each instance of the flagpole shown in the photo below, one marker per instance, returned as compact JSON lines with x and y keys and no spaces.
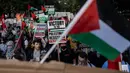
{"x":17,"y":42}
{"x":34,"y":32}
{"x":70,"y":26}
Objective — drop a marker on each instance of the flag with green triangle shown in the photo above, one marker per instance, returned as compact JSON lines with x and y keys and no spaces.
{"x":91,"y":30}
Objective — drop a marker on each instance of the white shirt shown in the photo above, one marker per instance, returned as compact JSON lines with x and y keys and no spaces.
{"x":36,"y":55}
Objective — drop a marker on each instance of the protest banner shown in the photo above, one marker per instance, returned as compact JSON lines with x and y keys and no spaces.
{"x":40,"y":29}
{"x":55,"y":29}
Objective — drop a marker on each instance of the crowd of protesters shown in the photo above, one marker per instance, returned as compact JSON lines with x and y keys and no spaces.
{"x":20,"y":44}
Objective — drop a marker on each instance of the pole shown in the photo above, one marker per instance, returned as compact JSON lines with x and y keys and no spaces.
{"x":15,"y":47}
{"x":70,"y":26}
{"x":58,"y":52}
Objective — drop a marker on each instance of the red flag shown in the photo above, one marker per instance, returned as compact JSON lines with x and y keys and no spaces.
{"x":33,"y":16}
{"x":88,"y":21}
{"x":29,"y":7}
{"x":3,"y":25}
{"x":3,"y":16}
{"x":114,"y":64}
{"x":19,"y":42}
{"x":23,"y":25}
{"x":43,"y":9}
{"x":3,"y":21}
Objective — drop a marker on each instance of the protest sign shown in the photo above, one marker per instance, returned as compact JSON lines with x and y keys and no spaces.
{"x":55,"y":30}
{"x":54,"y":35}
{"x":40,"y":29}
{"x":43,"y":18}
{"x":125,"y":68}
{"x":56,"y":24}
{"x":50,"y":9}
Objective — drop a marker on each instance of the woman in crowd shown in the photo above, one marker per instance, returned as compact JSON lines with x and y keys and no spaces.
{"x":83,"y":60}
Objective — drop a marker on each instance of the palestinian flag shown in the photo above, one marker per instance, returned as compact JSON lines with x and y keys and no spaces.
{"x":114,"y":64}
{"x":91,"y":30}
{"x":31,"y":8}
{"x":43,"y":9}
{"x":4,"y":27}
{"x":19,"y":41}
{"x":33,"y":16}
{"x":23,"y":25}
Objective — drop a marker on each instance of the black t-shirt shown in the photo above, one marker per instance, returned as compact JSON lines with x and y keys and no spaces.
{"x":67,"y":56}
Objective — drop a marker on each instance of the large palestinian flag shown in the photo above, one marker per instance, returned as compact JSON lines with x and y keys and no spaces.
{"x":93,"y":31}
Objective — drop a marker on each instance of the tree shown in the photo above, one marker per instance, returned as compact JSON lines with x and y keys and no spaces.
{"x":8,"y":6}
{"x":69,"y":5}
{"x":13,"y":6}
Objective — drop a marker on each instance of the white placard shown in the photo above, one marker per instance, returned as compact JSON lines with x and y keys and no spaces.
{"x":56,"y":24}
{"x":125,"y":68}
{"x":40,"y":29}
{"x":55,"y":30}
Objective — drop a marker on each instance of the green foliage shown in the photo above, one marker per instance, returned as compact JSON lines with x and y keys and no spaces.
{"x":69,"y":5}
{"x":9,"y":6}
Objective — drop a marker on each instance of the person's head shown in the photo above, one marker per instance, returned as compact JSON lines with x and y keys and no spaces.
{"x":63,"y":47}
{"x":83,"y":58}
{"x":37,"y":44}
